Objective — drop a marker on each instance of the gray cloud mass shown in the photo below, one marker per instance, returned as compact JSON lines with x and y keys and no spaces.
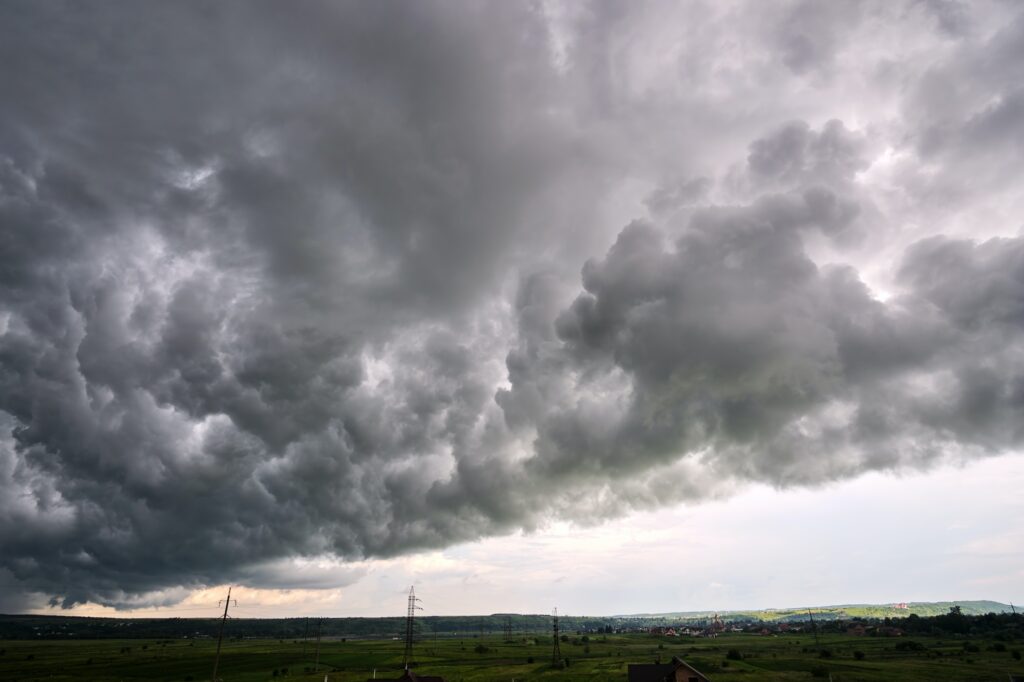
{"x":358,"y":279}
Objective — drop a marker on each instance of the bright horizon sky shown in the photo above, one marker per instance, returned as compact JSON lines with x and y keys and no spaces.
{"x":860,"y":541}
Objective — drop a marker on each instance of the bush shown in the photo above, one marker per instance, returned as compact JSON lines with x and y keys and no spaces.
{"x":1016,"y":654}
{"x":825,"y":653}
{"x":530,"y":660}
{"x":480,"y":649}
{"x":734,"y":655}
{"x":909,"y":645}
{"x":859,"y":655}
{"x":819,"y":671}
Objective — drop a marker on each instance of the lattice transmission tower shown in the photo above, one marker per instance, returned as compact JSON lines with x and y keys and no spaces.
{"x":410,"y":626}
{"x":556,"y":652}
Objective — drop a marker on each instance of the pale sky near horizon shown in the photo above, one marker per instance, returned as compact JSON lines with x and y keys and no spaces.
{"x":614,"y":306}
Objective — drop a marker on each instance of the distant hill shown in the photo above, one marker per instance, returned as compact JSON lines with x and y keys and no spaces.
{"x":935,"y":608}
{"x":76,"y":627}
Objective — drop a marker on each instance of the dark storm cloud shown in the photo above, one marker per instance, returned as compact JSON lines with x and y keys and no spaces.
{"x":282,"y":282}
{"x":733,"y":346}
{"x":795,"y":153}
{"x":807,"y":33}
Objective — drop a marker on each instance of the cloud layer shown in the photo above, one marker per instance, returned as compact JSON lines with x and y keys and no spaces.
{"x":353,"y":280}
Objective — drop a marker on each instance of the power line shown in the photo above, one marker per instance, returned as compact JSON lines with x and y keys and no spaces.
{"x":220,"y":633}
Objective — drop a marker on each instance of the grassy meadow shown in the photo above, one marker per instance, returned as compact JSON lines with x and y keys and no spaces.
{"x":603,"y":657}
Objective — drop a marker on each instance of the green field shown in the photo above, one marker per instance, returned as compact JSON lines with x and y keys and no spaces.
{"x":784,"y":657}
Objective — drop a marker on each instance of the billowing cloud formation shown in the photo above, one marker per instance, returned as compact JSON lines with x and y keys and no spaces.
{"x":282,"y":282}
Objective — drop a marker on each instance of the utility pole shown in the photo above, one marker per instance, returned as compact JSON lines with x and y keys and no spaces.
{"x":556,"y":652}
{"x":410,"y":628}
{"x":813,"y":627}
{"x":316,"y":663}
{"x":220,"y":633}
{"x":305,"y":639}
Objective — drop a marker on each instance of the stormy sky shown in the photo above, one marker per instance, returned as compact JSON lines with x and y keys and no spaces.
{"x":353,"y":282}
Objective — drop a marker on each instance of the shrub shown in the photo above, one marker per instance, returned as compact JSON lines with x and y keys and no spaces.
{"x":480,"y":649}
{"x":825,"y":653}
{"x":859,"y":655}
{"x":909,"y":645}
{"x":530,"y":660}
{"x":819,"y":671}
{"x":734,"y":655}
{"x":1016,"y":654}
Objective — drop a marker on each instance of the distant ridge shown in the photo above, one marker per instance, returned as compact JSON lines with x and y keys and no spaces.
{"x":918,"y":608}
{"x":29,"y":626}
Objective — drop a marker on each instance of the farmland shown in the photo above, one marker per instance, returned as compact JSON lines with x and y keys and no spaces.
{"x":731,"y":656}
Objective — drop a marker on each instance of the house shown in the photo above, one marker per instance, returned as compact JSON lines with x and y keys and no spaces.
{"x":677,"y":670}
